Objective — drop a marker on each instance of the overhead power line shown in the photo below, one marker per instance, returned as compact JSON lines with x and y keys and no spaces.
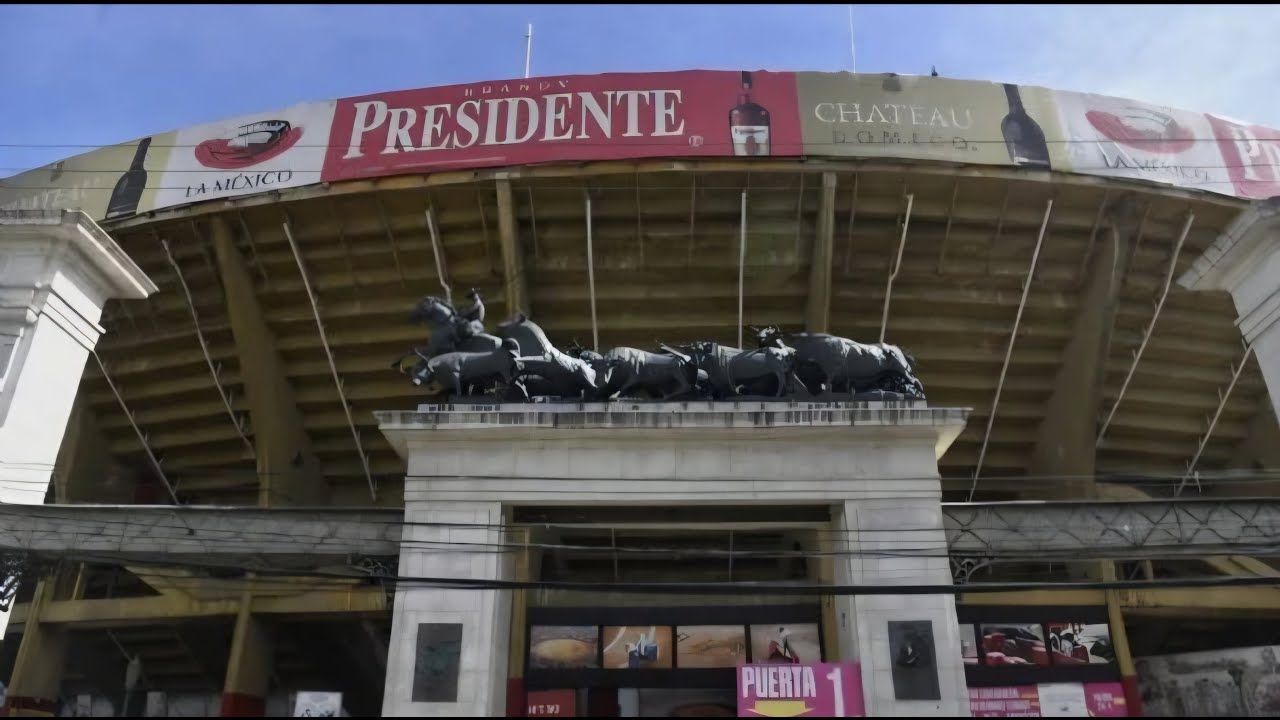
{"x":736,"y":588}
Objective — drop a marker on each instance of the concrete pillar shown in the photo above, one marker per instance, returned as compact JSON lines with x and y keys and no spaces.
{"x":57,"y":270}
{"x":288,"y":470}
{"x":42,"y":656}
{"x":1245,"y":261}
{"x":818,"y":308}
{"x":1065,"y":444}
{"x":249,"y":667}
{"x":434,"y":623}
{"x":911,"y":529}
{"x":515,"y":290}
{"x":1120,"y":643}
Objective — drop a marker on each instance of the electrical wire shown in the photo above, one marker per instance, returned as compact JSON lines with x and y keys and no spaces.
{"x":256,"y":170}
{"x":127,"y":145}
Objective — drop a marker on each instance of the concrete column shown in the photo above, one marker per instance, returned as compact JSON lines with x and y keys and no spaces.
{"x":288,"y":470}
{"x":910,"y":528}
{"x":57,"y":270}
{"x":515,"y":291}
{"x":479,"y":687}
{"x":42,"y":656}
{"x":1065,"y":445}
{"x":1120,"y":643}
{"x":249,"y":667}
{"x":818,"y":308}
{"x":1245,"y":261}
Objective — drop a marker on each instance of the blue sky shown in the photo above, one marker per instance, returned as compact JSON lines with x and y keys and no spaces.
{"x":109,"y":73}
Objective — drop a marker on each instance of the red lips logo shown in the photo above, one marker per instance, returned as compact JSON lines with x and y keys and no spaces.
{"x":1143,"y":129}
{"x":252,"y":144}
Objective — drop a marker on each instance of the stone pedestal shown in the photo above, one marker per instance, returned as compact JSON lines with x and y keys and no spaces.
{"x":874,"y":465}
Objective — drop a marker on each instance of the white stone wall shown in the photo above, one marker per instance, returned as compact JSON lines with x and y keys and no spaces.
{"x":484,"y":614}
{"x":877,"y":530}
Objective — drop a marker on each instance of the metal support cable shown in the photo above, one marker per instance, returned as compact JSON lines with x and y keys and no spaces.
{"x":742,"y":261}
{"x":1146,"y":335}
{"x":142,"y":437}
{"x":333,"y":366}
{"x":591,"y":276}
{"x":897,"y":265}
{"x":1213,"y":423}
{"x":441,"y":271}
{"x":1013,"y":338}
{"x":223,"y":393}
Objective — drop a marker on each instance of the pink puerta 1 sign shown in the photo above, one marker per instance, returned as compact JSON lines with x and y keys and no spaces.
{"x":800,"y":690}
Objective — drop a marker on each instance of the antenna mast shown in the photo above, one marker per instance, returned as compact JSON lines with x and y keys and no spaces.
{"x":528,"y":43}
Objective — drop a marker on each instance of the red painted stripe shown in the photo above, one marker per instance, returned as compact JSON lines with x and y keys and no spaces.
{"x":242,"y":705}
{"x":1132,"y":696}
{"x":19,"y":706}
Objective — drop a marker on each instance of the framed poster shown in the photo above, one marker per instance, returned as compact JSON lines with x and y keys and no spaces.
{"x":637,"y":647}
{"x":1014,"y":644}
{"x":795,"y":643}
{"x":564,"y":646}
{"x":711,"y":646}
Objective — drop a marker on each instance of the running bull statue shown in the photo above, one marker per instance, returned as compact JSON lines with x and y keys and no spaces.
{"x":462,"y":358}
{"x":837,"y":364}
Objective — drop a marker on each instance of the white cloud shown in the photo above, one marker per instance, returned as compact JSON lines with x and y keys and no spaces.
{"x":1218,"y":58}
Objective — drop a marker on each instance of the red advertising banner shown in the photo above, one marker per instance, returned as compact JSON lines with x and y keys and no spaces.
{"x":1020,"y":701}
{"x":1068,"y":700}
{"x":1106,"y":699}
{"x":553,"y":703}
{"x":801,"y":689}
{"x":1251,"y":155}
{"x":570,"y":118}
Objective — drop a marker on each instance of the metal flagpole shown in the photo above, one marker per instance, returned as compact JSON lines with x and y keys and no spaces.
{"x":528,"y":43}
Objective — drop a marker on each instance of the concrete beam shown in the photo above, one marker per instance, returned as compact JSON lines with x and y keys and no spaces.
{"x":516,"y":292}
{"x":1149,"y":528}
{"x":126,"y":612}
{"x":1135,"y":528}
{"x":1065,"y":443}
{"x":289,"y":471}
{"x":150,"y":533}
{"x":1171,"y":602}
{"x":818,"y":309}
{"x":1238,"y":514}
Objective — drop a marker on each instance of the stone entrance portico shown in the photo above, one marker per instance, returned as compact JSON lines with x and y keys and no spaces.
{"x":873,"y":465}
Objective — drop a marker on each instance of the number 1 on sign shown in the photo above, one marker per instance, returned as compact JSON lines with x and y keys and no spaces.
{"x":837,"y":683}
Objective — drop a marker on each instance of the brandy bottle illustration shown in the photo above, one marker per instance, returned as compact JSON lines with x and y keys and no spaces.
{"x":1022,"y":135}
{"x":749,"y":123}
{"x":128,"y":191}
